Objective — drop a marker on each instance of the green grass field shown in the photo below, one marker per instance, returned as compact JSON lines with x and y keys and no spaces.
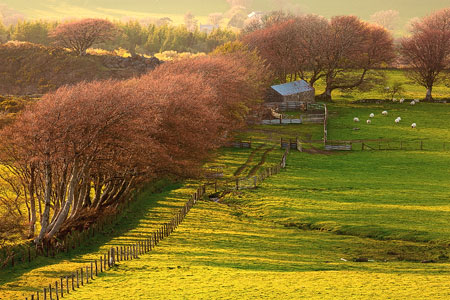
{"x":297,"y":236}
{"x":411,"y":89}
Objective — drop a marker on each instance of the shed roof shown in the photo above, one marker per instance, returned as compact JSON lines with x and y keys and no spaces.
{"x":292,"y":88}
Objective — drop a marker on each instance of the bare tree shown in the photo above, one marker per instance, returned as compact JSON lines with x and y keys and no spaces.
{"x":427,"y":51}
{"x":80,"y":35}
{"x":190,"y":21}
{"x":386,"y":18}
{"x":215,"y":18}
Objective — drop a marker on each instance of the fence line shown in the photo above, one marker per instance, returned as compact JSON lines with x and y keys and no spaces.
{"x":72,"y":281}
{"x":25,"y":253}
{"x":325,"y":126}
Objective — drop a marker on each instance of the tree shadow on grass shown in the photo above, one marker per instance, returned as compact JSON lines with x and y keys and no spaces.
{"x":130,"y":220}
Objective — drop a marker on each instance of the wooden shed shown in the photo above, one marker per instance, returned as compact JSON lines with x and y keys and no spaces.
{"x":296,"y":91}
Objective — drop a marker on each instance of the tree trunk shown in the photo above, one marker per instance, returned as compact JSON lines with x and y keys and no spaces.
{"x":65,"y":210}
{"x":47,"y":198}
{"x":429,"y":96}
{"x":326,"y":95}
{"x":133,"y":51}
{"x":32,"y":227}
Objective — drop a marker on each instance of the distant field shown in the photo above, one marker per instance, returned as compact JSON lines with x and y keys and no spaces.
{"x":177,"y":8}
{"x":411,"y":89}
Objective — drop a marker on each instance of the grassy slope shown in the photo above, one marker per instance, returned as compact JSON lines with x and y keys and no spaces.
{"x":149,"y":211}
{"x":411,"y":90}
{"x":389,"y":204}
{"x":391,"y":207}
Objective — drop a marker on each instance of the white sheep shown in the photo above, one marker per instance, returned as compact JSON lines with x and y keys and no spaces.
{"x":372,"y":115}
{"x":416,"y":100}
{"x":399,"y":118}
{"x":384,"y":113}
{"x":397,"y":121}
{"x":369,"y":121}
{"x":394,"y":99}
{"x":413,"y":125}
{"x":355,"y":119}
{"x":402,"y":100}
{"x":413,"y":102}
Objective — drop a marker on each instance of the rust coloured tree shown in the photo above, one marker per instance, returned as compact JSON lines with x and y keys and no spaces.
{"x":80,"y":35}
{"x":427,"y":51}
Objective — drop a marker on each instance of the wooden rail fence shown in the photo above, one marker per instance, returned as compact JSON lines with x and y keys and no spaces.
{"x":77,"y":278}
{"x":69,"y":282}
{"x":11,"y":256}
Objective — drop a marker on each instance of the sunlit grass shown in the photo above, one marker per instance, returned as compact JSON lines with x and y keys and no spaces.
{"x":296,"y":235}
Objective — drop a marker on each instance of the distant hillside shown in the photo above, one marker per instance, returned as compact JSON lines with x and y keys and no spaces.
{"x":27,"y":68}
{"x":177,"y":8}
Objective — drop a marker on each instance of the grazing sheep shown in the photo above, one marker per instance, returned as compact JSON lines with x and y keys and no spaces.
{"x":416,"y":100}
{"x":369,"y":121}
{"x":355,"y":119}
{"x":413,"y":102}
{"x":413,"y":125}
{"x":397,"y":121}
{"x":384,"y":113}
{"x":399,"y":118}
{"x":402,"y":100}
{"x":394,"y":99}
{"x":372,"y":115}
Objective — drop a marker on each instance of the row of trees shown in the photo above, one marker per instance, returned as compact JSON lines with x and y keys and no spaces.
{"x":131,"y":35}
{"x":341,"y":51}
{"x":344,"y":51}
{"x":82,"y":149}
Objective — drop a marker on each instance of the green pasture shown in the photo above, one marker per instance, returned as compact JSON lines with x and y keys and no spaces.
{"x":155,"y":205}
{"x":300,"y":234}
{"x":432,"y":121}
{"x":411,"y":90}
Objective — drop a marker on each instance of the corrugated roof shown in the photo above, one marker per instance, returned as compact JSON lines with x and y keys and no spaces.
{"x":292,"y":88}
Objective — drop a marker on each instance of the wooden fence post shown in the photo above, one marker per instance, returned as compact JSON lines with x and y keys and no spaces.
{"x":87,"y":274}
{"x":62,"y":287}
{"x":56,"y":290}
{"x":112,"y":257}
{"x":82,"y":276}
{"x":45,"y":294}
{"x":78,"y":281}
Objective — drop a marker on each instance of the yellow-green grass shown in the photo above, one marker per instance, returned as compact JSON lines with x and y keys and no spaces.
{"x":381,"y":195}
{"x":145,"y":215}
{"x":271,"y":134}
{"x":286,"y":238}
{"x":411,"y":89}
{"x":218,"y":253}
{"x":431,"y":119}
